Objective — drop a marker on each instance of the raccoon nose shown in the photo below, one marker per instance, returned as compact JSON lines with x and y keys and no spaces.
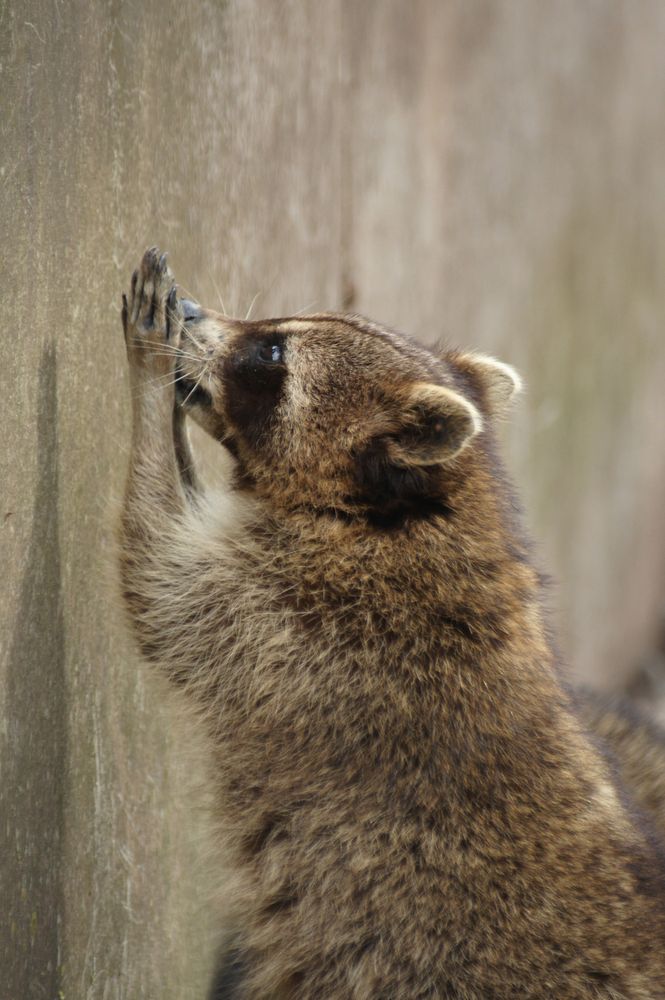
{"x":190,"y":310}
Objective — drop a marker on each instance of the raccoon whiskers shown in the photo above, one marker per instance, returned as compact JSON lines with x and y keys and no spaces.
{"x":195,"y":341}
{"x":168,"y":379}
{"x":196,"y":384}
{"x":151,"y":384}
{"x":219,"y":295}
{"x":167,"y":350}
{"x":306,"y":309}
{"x":251,"y":306}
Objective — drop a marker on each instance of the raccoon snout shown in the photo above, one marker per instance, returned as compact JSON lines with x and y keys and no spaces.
{"x":191,"y":311}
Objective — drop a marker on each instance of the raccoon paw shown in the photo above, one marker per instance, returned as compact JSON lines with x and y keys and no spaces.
{"x":152,"y":316}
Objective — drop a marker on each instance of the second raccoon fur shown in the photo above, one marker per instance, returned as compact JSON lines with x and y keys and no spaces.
{"x":407,"y":793}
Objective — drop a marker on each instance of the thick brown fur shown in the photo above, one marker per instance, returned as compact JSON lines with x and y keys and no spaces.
{"x":410,"y":799}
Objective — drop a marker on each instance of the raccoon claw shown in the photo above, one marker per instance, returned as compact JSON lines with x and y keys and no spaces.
{"x":174,"y":317}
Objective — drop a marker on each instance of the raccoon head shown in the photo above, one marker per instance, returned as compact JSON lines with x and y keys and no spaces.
{"x":336,"y":414}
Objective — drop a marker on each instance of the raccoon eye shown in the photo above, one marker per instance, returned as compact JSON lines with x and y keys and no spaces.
{"x":271,"y":354}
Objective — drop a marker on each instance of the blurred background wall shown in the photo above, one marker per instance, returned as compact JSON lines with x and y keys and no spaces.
{"x":490,"y":173}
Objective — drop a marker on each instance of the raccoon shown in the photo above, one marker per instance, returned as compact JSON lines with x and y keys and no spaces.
{"x":411,"y":802}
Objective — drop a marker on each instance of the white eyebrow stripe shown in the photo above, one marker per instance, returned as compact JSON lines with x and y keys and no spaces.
{"x":296,"y":325}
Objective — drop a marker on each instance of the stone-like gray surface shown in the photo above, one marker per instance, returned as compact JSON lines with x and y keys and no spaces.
{"x":487,"y":172}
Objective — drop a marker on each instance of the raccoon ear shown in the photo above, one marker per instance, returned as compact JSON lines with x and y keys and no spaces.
{"x":500,"y":382}
{"x":436,"y":423}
